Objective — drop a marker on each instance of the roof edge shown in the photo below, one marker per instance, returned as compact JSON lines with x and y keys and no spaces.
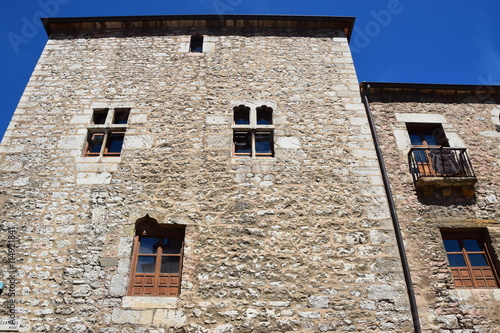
{"x":55,"y":23}
{"x":373,"y":88}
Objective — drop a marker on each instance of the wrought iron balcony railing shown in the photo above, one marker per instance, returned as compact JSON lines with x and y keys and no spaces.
{"x":440,"y":162}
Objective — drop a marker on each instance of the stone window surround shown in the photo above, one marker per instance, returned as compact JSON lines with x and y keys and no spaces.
{"x":495,"y":118}
{"x":403,"y":139}
{"x":107,"y":127}
{"x":253,"y":127}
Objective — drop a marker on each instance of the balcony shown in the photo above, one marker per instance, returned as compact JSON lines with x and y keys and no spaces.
{"x":442,"y":167}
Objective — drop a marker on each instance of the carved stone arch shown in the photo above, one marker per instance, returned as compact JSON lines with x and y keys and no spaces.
{"x":146,"y":223}
{"x":150,"y":225}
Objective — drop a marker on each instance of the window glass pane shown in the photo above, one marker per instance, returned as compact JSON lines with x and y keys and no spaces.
{"x":95,"y":143}
{"x":172,"y":245}
{"x":264,"y":116}
{"x":452,"y":245}
{"x":472,"y":245}
{"x":456,"y":260}
{"x":263,"y":143}
{"x":430,"y":139}
{"x":146,"y":264}
{"x":241,"y":115}
{"x":415,"y":139}
{"x":115,"y":142}
{"x":420,"y":156}
{"x":170,"y":264}
{"x":148,"y":245}
{"x":99,"y":116}
{"x":121,"y":116}
{"x":242,"y":143}
{"x":477,"y":259}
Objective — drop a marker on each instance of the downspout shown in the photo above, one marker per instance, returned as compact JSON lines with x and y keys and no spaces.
{"x":394,"y":216}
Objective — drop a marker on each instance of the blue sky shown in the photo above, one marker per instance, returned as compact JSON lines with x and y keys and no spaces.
{"x":416,"y":41}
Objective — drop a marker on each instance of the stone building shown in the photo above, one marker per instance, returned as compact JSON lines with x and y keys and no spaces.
{"x":220,"y":174}
{"x":441,"y":147}
{"x":198,"y":174}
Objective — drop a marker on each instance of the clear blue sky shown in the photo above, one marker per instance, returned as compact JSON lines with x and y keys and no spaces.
{"x":416,"y":41}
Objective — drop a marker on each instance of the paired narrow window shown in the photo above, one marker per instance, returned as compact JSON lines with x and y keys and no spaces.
{"x":253,"y":131}
{"x":470,"y":259}
{"x":157,"y":263}
{"x":196,"y":44}
{"x":106,"y":132}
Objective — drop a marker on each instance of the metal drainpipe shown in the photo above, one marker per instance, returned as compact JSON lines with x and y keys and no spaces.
{"x":394,"y":217}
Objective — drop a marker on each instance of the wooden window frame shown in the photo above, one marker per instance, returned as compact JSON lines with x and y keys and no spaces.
{"x":253,"y":151}
{"x":156,"y":284}
{"x":111,"y":123}
{"x":471,"y":276}
{"x":106,"y":143}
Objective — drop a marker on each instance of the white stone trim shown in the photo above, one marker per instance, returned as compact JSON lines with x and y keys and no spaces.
{"x":403,"y":139}
{"x":149,"y":302}
{"x":420,"y":118}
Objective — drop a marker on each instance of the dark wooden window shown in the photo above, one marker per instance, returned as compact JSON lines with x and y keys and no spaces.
{"x":157,"y":263}
{"x":94,"y":144}
{"x":264,"y":144}
{"x":242,"y":143}
{"x":114,"y":144}
{"x":470,"y":260}
{"x":196,"y":44}
{"x":104,"y":143}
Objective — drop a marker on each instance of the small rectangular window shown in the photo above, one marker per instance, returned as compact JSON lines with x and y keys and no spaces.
{"x":263,"y":144}
{"x":470,"y":260}
{"x":242,"y":144}
{"x":114,"y":143}
{"x":94,"y":144}
{"x":121,"y":116}
{"x":196,"y":44}
{"x":99,"y":116}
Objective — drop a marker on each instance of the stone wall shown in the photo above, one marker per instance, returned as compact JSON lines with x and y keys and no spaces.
{"x":301,"y":241}
{"x":468,"y":122}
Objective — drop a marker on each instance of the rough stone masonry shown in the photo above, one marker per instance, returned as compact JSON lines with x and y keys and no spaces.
{"x":300,"y":241}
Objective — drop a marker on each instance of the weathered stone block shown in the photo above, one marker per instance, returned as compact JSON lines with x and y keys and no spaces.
{"x":120,"y":316}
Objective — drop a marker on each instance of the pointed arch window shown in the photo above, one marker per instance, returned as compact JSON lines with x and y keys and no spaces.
{"x":157,"y":260}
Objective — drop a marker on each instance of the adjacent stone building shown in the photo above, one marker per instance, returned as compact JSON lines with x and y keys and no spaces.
{"x":441,"y":146}
{"x":221,"y":174}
